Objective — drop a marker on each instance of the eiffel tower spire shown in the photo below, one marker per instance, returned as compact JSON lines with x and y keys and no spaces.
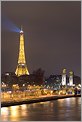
{"x":21,"y":67}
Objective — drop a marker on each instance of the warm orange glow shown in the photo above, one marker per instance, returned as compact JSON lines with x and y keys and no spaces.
{"x":14,"y":111}
{"x":4,"y":111}
{"x":21,"y":67}
{"x":23,"y":107}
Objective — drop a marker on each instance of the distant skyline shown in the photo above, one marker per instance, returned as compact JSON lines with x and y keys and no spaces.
{"x":52,"y":31}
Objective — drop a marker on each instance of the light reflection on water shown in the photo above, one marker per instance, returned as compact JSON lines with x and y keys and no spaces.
{"x":14,"y":112}
{"x":4,"y":113}
{"x":68,"y":109}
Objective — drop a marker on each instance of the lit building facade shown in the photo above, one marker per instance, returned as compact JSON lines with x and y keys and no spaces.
{"x":21,"y":67}
{"x":64,"y":77}
{"x":70,"y":78}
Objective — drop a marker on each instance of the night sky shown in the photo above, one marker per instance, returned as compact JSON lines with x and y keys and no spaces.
{"x":52,"y":33}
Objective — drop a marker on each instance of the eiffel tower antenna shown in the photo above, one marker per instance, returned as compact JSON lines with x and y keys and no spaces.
{"x":21,"y":31}
{"x":21,"y":28}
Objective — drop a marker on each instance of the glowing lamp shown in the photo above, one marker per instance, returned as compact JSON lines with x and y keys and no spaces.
{"x":21,"y":31}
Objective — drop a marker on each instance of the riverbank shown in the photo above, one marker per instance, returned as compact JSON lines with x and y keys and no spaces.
{"x":35,"y":100}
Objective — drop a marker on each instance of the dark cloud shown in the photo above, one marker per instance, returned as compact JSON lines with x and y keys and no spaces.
{"x":52,"y":35}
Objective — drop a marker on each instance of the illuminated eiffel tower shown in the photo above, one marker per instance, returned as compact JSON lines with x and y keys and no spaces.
{"x":21,"y":67}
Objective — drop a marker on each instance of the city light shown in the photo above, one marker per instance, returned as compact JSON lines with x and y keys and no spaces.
{"x":41,"y":68}
{"x":21,"y":67}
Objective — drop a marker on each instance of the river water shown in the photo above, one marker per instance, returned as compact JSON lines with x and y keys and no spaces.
{"x":68,"y":109}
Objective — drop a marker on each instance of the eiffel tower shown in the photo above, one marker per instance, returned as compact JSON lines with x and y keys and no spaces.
{"x":21,"y":67}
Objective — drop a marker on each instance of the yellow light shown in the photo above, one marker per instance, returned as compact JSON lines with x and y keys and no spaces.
{"x":23,"y":84}
{"x":70,"y":73}
{"x":4,"y":111}
{"x":21,"y":67}
{"x":79,"y":85}
{"x":51,"y":92}
{"x":23,"y":107}
{"x":64,"y":70}
{"x":14,"y":111}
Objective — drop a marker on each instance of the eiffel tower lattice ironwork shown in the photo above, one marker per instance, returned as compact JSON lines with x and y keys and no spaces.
{"x":21,"y":67}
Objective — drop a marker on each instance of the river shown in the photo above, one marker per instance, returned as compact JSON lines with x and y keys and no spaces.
{"x":68,"y":109}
